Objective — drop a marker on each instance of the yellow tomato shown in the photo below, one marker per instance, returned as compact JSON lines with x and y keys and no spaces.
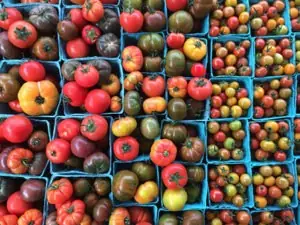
{"x":260,"y":202}
{"x":154,"y":105}
{"x":174,"y":200}
{"x":146,"y":192}
{"x":195,"y":49}
{"x":284,"y":143}
{"x":268,"y":146}
{"x":124,"y":126}
{"x":244,"y":103}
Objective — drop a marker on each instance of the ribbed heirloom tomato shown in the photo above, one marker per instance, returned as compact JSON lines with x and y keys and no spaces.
{"x":86,"y":75}
{"x":60,"y":191}
{"x":132,"y":58}
{"x":163,"y":152}
{"x":153,"y":86}
{"x":18,"y":160}
{"x":177,"y":87}
{"x":139,"y":214}
{"x":71,"y":213}
{"x":31,"y":216}
{"x":92,"y":10}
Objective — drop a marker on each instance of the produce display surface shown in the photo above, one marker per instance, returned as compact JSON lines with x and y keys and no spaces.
{"x":149,"y":112}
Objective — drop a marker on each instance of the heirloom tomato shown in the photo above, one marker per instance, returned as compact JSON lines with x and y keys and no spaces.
{"x":146,"y":192}
{"x":132,"y":58}
{"x":175,"y":40}
{"x":16,"y":205}
{"x":126,"y":148}
{"x":153,"y":86}
{"x":113,"y":86}
{"x":18,"y":160}
{"x":174,"y":200}
{"x":8,"y":16}
{"x":199,"y":88}
{"x":59,"y":191}
{"x":163,"y":152}
{"x":177,"y":87}
{"x":154,"y":105}
{"x":92,"y":10}
{"x":140,"y":214}
{"x":71,"y":213}
{"x":132,"y":21}
{"x":67,"y":129}
{"x":195,"y":49}
{"x":58,"y":150}
{"x":119,"y":216}
{"x":124,"y":126}
{"x":22,"y":34}
{"x":32,"y":71}
{"x":97,"y":101}
{"x":86,"y":75}
{"x":90,"y":34}
{"x":174,"y":176}
{"x":76,"y":17}
{"x":9,"y":219}
{"x":74,"y":94}
{"x":94,"y":127}
{"x":31,"y":216}
{"x":77,"y":48}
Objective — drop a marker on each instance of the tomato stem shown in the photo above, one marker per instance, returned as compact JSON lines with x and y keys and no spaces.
{"x":126,"y":147}
{"x":40,"y":100}
{"x":22,"y":33}
{"x":90,"y":126}
{"x":3,"y":15}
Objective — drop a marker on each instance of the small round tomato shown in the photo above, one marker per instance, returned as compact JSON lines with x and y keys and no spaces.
{"x":90,"y":34}
{"x":86,"y":75}
{"x":15,"y":106}
{"x":58,"y":151}
{"x":216,"y":195}
{"x":261,"y":190}
{"x":153,"y":86}
{"x":32,"y":71}
{"x":126,"y":148}
{"x":97,"y":101}
{"x":94,"y":127}
{"x":74,"y":94}
{"x":77,"y":48}
{"x":163,"y":152}
{"x":174,"y":176}
{"x":132,"y":21}
{"x":198,"y":70}
{"x":67,"y":129}
{"x":218,"y":63}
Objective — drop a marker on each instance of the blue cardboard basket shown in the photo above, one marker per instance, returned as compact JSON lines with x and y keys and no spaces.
{"x":255,"y":212}
{"x":291,"y":170}
{"x":58,"y":169}
{"x":93,"y":53}
{"x":52,"y":68}
{"x":118,"y":165}
{"x":291,"y":102}
{"x":233,"y":209}
{"x":68,"y":2}
{"x":250,"y":197}
{"x":245,"y":147}
{"x":237,"y":40}
{"x":245,"y":82}
{"x":297,"y":82}
{"x":117,"y":70}
{"x":14,"y":3}
{"x":178,"y":214}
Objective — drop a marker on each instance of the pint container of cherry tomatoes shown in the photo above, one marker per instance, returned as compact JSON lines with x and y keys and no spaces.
{"x":232,"y":57}
{"x":297,"y":99}
{"x":80,"y":2}
{"x":297,"y":51}
{"x":297,"y":167}
{"x":274,"y":186}
{"x":82,"y":96}
{"x":296,"y":127}
{"x":228,"y":215}
{"x":51,"y":73}
{"x":279,"y":216}
{"x":228,"y":141}
{"x":186,"y":216}
{"x":14,"y":3}
{"x":89,"y":147}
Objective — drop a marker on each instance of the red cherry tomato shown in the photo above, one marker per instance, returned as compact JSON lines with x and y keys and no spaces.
{"x":198,"y":70}
{"x":175,"y":40}
{"x":216,"y":195}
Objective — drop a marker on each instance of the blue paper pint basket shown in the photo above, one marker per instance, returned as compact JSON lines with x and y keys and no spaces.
{"x":178,"y":214}
{"x":68,"y":2}
{"x":255,"y":213}
{"x":15,"y":3}
{"x":297,"y":108}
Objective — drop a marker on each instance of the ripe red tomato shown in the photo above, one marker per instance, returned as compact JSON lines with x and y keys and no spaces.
{"x":220,"y":136}
{"x":58,"y":150}
{"x":199,"y":88}
{"x":153,"y":86}
{"x":71,"y":213}
{"x":15,"y":106}
{"x":163,"y":152}
{"x":258,"y":112}
{"x":239,"y":51}
{"x":216,"y":101}
{"x":17,"y":129}
{"x":74,"y":94}
{"x":286,"y":82}
{"x":216,"y":195}
{"x":22,"y":34}
{"x":126,"y":148}
{"x":32,"y":71}
{"x":176,"y":5}
{"x":59,"y":191}
{"x":280,"y":156}
{"x":67,"y":129}
{"x":86,"y":75}
{"x":242,"y":93}
{"x":267,"y":102}
{"x":3,"y":210}
{"x":215,"y":113}
{"x":174,"y":176}
{"x":214,"y":31}
{"x":254,"y":128}
{"x":217,"y":63}
{"x":94,"y":127}
{"x":198,"y":70}
{"x":132,"y":21}
{"x":92,"y":10}
{"x":260,"y":43}
{"x":90,"y":34}
{"x":233,"y":22}
{"x":77,"y":48}
{"x":175,"y":40}
{"x":16,"y":205}
{"x":261,"y":190}
{"x":76,"y":17}
{"x":9,"y":16}
{"x":139,"y":215}
{"x":226,"y":216}
{"x":97,"y":101}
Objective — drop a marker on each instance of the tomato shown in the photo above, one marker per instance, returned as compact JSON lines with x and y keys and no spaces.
{"x":261,"y":190}
{"x":116,"y":104}
{"x":31,"y":216}
{"x":8,"y":16}
{"x":15,"y":106}
{"x":16,"y":205}
{"x":132,"y":21}
{"x":258,"y":112}
{"x":195,"y":49}
{"x":124,"y":126}
{"x":77,"y":18}
{"x":94,"y":127}
{"x":74,"y":94}
{"x":153,"y":86}
{"x":175,"y":40}
{"x":59,"y":191}
{"x":133,"y":80}
{"x":92,"y":10}
{"x":175,"y":5}
{"x":126,"y":148}
{"x":86,"y":75}
{"x":22,"y":34}
{"x":287,"y":215}
{"x":3,"y":210}
{"x":9,"y":220}
{"x":77,"y":48}
{"x":67,"y":129}
{"x":119,"y":216}
{"x":146,"y":192}
{"x":32,"y":71}
{"x":177,"y":87}
{"x":71,"y":213}
{"x":217,"y":63}
{"x":199,"y":88}
{"x":174,"y":200}
{"x":214,"y":31}
{"x":140,"y":214}
{"x":58,"y":151}
{"x":97,"y":101}
{"x":132,"y":59}
{"x":216,"y":195}
{"x":90,"y":34}
{"x":198,"y":70}
{"x":17,"y":129}
{"x":163,"y":152}
{"x":226,"y":216}
{"x":174,"y":176}
{"x":243,"y":217}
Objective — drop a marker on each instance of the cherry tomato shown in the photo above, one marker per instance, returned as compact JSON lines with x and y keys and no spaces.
{"x":198,"y":70}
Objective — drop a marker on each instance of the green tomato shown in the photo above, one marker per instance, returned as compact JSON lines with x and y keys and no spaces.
{"x":229,"y":143}
{"x":168,"y":219}
{"x":235,"y":125}
{"x":174,"y":200}
{"x":278,"y":59}
{"x":298,"y":42}
{"x":230,"y":190}
{"x":284,"y":201}
{"x":150,"y":128}
{"x":281,"y":29}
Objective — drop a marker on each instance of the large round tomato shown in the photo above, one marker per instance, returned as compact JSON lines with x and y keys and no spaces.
{"x":77,"y":48}
{"x":86,"y":75}
{"x":177,"y":87}
{"x":97,"y":101}
{"x":132,"y":21}
{"x":174,"y":200}
{"x":92,"y":10}
{"x":58,"y":151}
{"x":68,"y":129}
{"x":140,"y":214}
{"x":74,"y":94}
{"x":16,"y":205}
{"x":17,"y":129}
{"x":8,"y":16}
{"x":126,"y":148}
{"x":176,"y":5}
{"x":174,"y":176}
{"x":153,"y":86}
{"x":71,"y":213}
{"x":76,"y":17}
{"x":195,"y":49}
{"x":18,"y":160}
{"x":59,"y":191}
{"x":22,"y":34}
{"x":32,"y":217}
{"x":199,"y":88}
{"x":94,"y":127}
{"x":32,"y":71}
{"x":132,"y":58}
{"x":163,"y":152}
{"x":119,"y":214}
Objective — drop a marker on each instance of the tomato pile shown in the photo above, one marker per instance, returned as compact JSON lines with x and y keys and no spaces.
{"x":297,"y":47}
{"x":296,"y":136}
{"x":187,"y":217}
{"x":227,"y":217}
{"x":294,"y":14}
{"x":283,"y":217}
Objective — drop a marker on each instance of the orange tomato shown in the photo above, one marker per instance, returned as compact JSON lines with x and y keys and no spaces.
{"x":280,"y":21}
{"x":31,"y":215}
{"x":224,"y":30}
{"x":244,"y":17}
{"x":289,"y":69}
{"x":116,"y":104}
{"x":177,"y":87}
{"x":271,"y":24}
{"x":260,"y":202}
{"x":119,"y":216}
{"x":154,"y":104}
{"x":294,"y":13}
{"x":259,"y":92}
{"x":132,"y":59}
{"x":133,"y":80}
{"x":113,"y":87}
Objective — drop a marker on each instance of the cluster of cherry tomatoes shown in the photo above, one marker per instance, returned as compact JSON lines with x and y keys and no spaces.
{"x":296,"y":136}
{"x":228,"y":217}
{"x":282,"y":217}
{"x":297,"y":48}
{"x":294,"y":14}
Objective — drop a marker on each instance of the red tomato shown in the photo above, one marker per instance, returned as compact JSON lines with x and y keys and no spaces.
{"x":199,"y":88}
{"x":175,"y":40}
{"x":140,"y":215}
{"x":153,"y":86}
{"x":94,"y":127}
{"x":174,"y":176}
{"x":132,"y":21}
{"x":32,"y":71}
{"x":3,"y":210}
{"x":220,"y":136}
{"x":226,"y":216}
{"x":17,"y":129}
{"x":18,"y":160}
{"x":58,"y":150}
{"x":9,"y":219}
{"x":286,"y":82}
{"x":8,"y":16}
{"x":76,"y":17}
{"x":126,"y":148}
{"x":22,"y":34}
{"x":242,"y":93}
{"x":254,"y":128}
{"x":198,"y":70}
{"x":287,"y":215}
{"x":216,"y":195}
{"x":233,"y":22}
{"x":163,"y":152}
{"x":74,"y":94}
{"x":92,"y":10}
{"x":215,"y":113}
{"x":67,"y":129}
{"x":217,"y":63}
{"x":239,"y":52}
{"x":16,"y":205}
{"x":77,"y":48}
{"x":216,"y":101}
{"x":176,"y":5}
{"x":267,"y":102}
{"x":71,"y":213}
{"x":15,"y":106}
{"x":86,"y":75}
{"x":59,"y":191}
{"x":214,"y":31}
{"x":97,"y":101}
{"x":261,"y":190}
{"x":258,"y":112}
{"x":280,"y":156}
{"x":90,"y":34}
{"x":239,"y":169}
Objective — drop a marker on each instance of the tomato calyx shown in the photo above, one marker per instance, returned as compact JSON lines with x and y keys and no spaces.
{"x":31,"y":223}
{"x":188,"y":143}
{"x":47,"y":47}
{"x":90,"y":126}
{"x":127,"y":221}
{"x":88,"y":5}
{"x":200,"y":82}
{"x":126,"y":147}
{"x":40,"y":100}
{"x":91,"y":34}
{"x":3,"y":15}
{"x":166,"y":153}
{"x":22,"y":33}
{"x":26,"y":162}
{"x":198,"y":44}
{"x":175,"y":178}
{"x":70,"y":210}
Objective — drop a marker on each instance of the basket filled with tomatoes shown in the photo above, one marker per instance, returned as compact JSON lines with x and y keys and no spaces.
{"x":230,"y":185}
{"x":232,"y":57}
{"x":23,"y":199}
{"x":29,"y":32}
{"x":294,"y":15}
{"x":297,"y":53}
{"x":67,"y":3}
{"x":12,"y":3}
{"x":297,"y":100}
{"x":90,"y":31}
{"x":81,"y":145}
{"x":230,"y":17}
{"x":274,"y":56}
{"x":228,"y":141}
{"x":185,"y":216}
{"x":296,"y":127}
{"x":274,"y":186}
{"x":274,"y":97}
{"x":227,"y":216}
{"x":94,"y":86}
{"x":30,"y":87}
{"x":297,"y":166}
{"x":23,"y":145}
{"x":284,"y":217}
{"x":231,"y":98}
{"x":269,"y":18}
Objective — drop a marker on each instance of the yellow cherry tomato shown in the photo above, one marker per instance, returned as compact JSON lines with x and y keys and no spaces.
{"x":195,"y":49}
{"x":284,"y":143}
{"x":174,"y":199}
{"x":146,"y":192}
{"x":267,"y":146}
{"x":244,"y":103}
{"x":124,"y":126}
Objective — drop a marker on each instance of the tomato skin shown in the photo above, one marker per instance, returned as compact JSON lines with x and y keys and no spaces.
{"x":71,"y":213}
{"x":126,"y":148}
{"x":3,"y":210}
{"x":153,"y":86}
{"x":59,"y":191}
{"x":177,"y":87}
{"x":218,"y":63}
{"x":140,"y":215}
{"x":67,"y":129}
{"x":261,"y":190}
{"x":198,"y":70}
{"x":175,"y":5}
{"x":32,"y":71}
{"x":77,"y":48}
{"x":97,"y":101}
{"x":146,"y":192}
{"x":19,"y":40}
{"x":74,"y":93}
{"x":175,"y":40}
{"x":216,"y":195}
{"x":94,"y":127}
{"x":199,"y":88}
{"x":18,"y":160}
{"x":174,"y":176}
{"x":90,"y":34}
{"x":226,"y":216}
{"x":58,"y":150}
{"x":132,"y":59}
{"x":92,"y":10}
{"x":31,"y":215}
{"x":16,"y":205}
{"x":163,"y":152}
{"x":9,"y":16}
{"x":15,"y":106}
{"x":76,"y":17}
{"x":86,"y":76}
{"x":132,"y":21}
